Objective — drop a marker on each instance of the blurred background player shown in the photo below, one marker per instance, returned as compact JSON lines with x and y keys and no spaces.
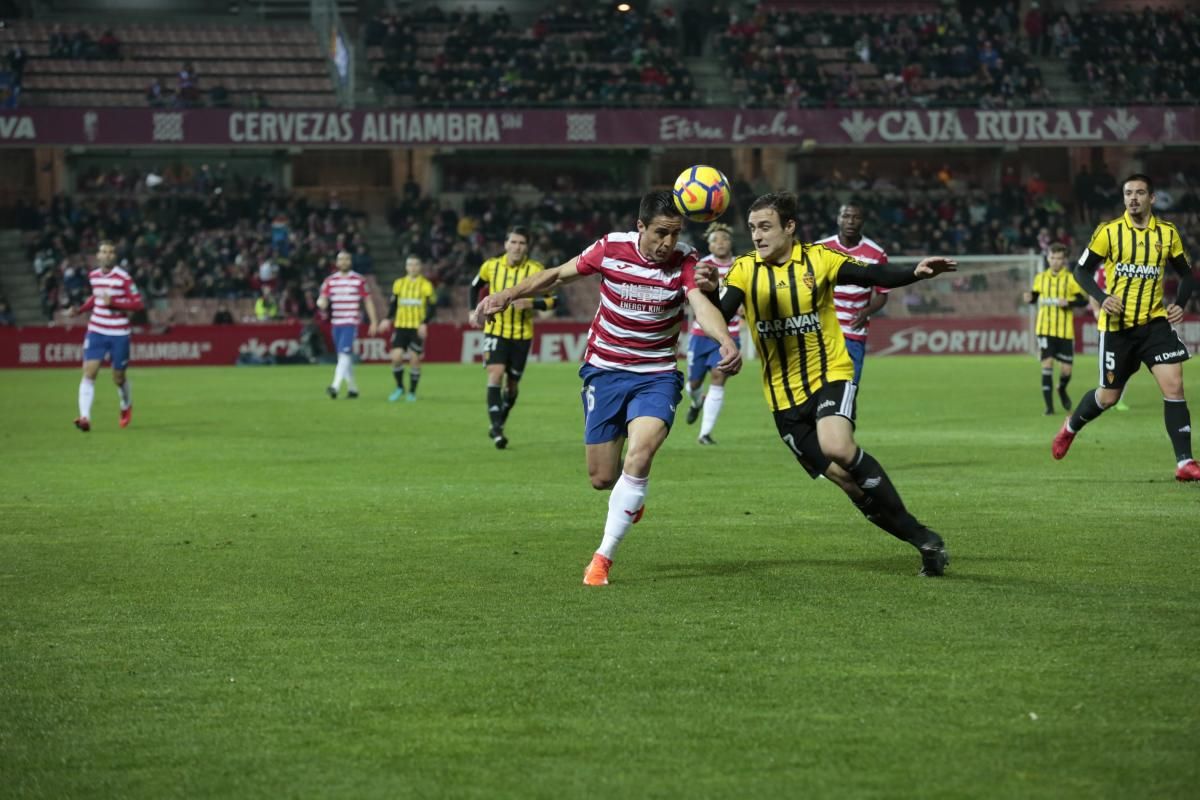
{"x":856,"y":304}
{"x":1135,"y":327}
{"x":1056,"y":292}
{"x":114,"y":296}
{"x":509,"y":334}
{"x":343,"y":293}
{"x":704,"y":353}
{"x":787,"y":290}
{"x":411,"y":308}
{"x":631,"y":386}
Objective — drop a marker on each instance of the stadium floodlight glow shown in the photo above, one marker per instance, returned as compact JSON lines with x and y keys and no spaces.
{"x":624,"y":8}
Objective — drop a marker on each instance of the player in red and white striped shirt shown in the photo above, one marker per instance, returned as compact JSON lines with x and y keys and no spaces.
{"x":703,"y":353}
{"x":343,"y":293}
{"x":856,"y":304}
{"x":631,"y":383}
{"x":114,"y":297}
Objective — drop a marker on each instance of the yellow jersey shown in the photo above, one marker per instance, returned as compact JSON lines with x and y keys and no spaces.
{"x":1053,"y":319}
{"x":1134,"y":263}
{"x":512,"y":322}
{"x":412,"y":297}
{"x":790,"y":313}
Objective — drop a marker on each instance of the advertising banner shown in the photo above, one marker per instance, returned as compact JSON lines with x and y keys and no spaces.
{"x":496,"y":128}
{"x":553,"y":343}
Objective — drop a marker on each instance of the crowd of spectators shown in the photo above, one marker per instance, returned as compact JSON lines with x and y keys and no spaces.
{"x":572,"y":57}
{"x":225,"y":246}
{"x":1146,"y":57}
{"x":931,"y":59}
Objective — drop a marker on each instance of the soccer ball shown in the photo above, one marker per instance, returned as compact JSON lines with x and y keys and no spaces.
{"x":701,"y":193}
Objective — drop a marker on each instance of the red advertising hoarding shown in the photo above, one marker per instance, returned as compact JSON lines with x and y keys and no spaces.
{"x":493,"y":128}
{"x":554,"y":342}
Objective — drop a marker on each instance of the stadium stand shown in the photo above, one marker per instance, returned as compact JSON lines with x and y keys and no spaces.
{"x":191,"y":253}
{"x":600,"y":57}
{"x":1144,"y":57}
{"x":899,"y":54}
{"x":170,"y":64}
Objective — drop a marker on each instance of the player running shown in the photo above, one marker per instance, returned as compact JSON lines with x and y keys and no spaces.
{"x":343,"y":293}
{"x":114,"y":296}
{"x":787,"y":290}
{"x":1135,"y":325}
{"x":704,"y":353}
{"x":508,"y":336}
{"x":631,"y":386}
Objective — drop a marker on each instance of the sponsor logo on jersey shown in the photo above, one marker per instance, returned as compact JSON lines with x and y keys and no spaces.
{"x":788,"y":326}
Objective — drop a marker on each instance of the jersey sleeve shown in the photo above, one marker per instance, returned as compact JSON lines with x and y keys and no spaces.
{"x":1037,"y":283}
{"x":325,"y":288}
{"x":592,"y":259}
{"x":364,"y":290}
{"x":1176,"y":247}
{"x":830,"y":263}
{"x":687,"y":266}
{"x":1099,"y":242}
{"x":396,"y":287}
{"x":485,"y":272}
{"x":738,"y":276}
{"x":1073,"y":287}
{"x":427,"y":291}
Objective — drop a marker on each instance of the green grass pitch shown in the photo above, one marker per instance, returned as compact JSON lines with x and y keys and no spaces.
{"x":256,"y":592}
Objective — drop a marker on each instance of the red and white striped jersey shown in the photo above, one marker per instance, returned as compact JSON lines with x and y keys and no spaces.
{"x":117,"y":285}
{"x":735,"y":323}
{"x":346,"y":293}
{"x":637,"y":325}
{"x":848,"y":300}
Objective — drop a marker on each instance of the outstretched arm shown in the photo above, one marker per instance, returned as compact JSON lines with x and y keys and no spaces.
{"x":891,"y":276}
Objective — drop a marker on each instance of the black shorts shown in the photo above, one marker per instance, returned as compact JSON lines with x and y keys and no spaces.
{"x":1058,"y":348}
{"x":407,"y":339}
{"x":798,"y":426}
{"x":512,"y":353}
{"x":1123,"y":352}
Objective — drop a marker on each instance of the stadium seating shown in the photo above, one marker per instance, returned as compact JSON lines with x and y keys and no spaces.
{"x":597,"y":58}
{"x":887,"y":56}
{"x":277,"y":65}
{"x":1164,"y":45}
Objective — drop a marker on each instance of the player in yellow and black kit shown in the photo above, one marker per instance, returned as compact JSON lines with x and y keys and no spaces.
{"x":787,"y":290}
{"x":1135,"y":327}
{"x":1056,"y":293}
{"x":508,"y":335}
{"x":411,"y":309}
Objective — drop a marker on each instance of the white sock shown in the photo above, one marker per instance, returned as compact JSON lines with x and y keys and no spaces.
{"x":712,"y":408}
{"x":87,"y":392}
{"x":339,"y":372}
{"x":626,"y":498}
{"x":125,"y":392}
{"x":350,"y":373}
{"x":696,"y":395}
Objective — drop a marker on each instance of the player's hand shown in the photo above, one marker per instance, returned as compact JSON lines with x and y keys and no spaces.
{"x":1174,"y":314}
{"x":1027,"y":297}
{"x":708,"y":280}
{"x":860,"y":319}
{"x":473,"y":318}
{"x":731,"y":358}
{"x":492,"y":305}
{"x":422,"y":330}
{"x":103,"y":298}
{"x":1113,"y":305}
{"x":934,"y":266}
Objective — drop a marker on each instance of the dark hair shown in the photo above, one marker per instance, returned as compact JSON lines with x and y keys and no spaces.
{"x":854,"y":203}
{"x":1058,"y":247}
{"x":657,"y":204}
{"x":1138,"y":176}
{"x":784,"y":204}
{"x":519,"y":230}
